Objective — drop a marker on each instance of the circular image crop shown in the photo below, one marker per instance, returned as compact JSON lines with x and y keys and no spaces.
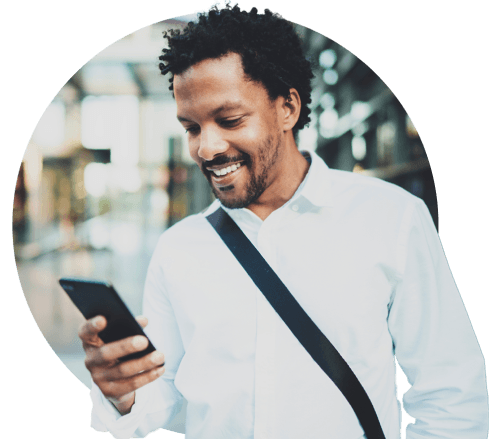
{"x":110,"y":168}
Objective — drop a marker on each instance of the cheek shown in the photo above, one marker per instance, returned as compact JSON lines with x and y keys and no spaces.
{"x":193,"y":148}
{"x":254,"y":134}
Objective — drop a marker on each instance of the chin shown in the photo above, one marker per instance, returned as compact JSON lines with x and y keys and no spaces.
{"x":232,"y":203}
{"x":230,"y":200}
{"x":240,"y":195}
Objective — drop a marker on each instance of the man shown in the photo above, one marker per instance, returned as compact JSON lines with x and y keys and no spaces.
{"x":361,"y":256}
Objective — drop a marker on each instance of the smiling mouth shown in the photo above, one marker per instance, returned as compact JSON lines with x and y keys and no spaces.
{"x":224,"y":175}
{"x":226,"y":170}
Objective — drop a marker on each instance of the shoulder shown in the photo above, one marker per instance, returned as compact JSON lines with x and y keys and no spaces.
{"x":352,"y":188}
{"x":184,"y":236}
{"x":368,"y":203}
{"x":184,"y":247}
{"x":336,"y":188}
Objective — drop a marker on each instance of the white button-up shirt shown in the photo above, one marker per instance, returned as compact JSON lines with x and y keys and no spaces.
{"x":362,"y":257}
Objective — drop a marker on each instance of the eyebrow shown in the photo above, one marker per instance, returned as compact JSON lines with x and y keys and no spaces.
{"x":225,"y":106}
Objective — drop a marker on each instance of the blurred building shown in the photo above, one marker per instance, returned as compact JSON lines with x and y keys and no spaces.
{"x":108,"y":169}
{"x":358,"y":124}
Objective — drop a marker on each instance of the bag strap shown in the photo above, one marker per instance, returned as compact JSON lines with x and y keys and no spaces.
{"x":300,"y":324}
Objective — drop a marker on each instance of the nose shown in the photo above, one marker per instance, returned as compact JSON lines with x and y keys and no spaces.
{"x":211,"y":143}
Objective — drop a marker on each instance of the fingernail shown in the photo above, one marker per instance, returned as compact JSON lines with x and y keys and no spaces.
{"x":96,"y":322}
{"x":157,"y":357}
{"x":140,"y":342}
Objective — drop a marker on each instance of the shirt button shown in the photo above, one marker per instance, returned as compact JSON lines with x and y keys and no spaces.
{"x":295,"y":207}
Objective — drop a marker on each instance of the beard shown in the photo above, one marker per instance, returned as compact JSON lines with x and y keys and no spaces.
{"x":257,"y":167}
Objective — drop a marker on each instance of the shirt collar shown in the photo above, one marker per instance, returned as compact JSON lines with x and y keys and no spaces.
{"x":316,"y":182}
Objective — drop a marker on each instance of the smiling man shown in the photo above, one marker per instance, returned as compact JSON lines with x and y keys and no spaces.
{"x":361,"y":257}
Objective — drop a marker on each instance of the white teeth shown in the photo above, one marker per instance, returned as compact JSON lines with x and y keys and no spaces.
{"x":226,"y":170}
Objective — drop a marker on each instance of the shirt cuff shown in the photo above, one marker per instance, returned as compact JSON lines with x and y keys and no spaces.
{"x":105,"y":416}
{"x":156,"y":405}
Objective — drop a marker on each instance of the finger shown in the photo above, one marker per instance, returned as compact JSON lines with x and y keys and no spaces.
{"x":130,"y":368}
{"x":88,"y":332}
{"x":142,"y":320}
{"x":116,"y":389}
{"x":111,"y":352}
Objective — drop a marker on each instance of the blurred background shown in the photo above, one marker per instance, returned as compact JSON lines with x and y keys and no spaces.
{"x":107,"y":169}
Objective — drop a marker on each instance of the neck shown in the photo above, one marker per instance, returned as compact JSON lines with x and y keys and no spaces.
{"x":293,"y":170}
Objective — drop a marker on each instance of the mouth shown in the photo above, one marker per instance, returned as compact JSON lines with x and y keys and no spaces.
{"x":224,"y":175}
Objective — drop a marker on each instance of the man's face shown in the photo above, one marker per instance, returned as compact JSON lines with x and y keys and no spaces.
{"x":233,"y":129}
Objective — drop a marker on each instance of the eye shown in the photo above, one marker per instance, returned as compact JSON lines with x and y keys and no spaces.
{"x":194,"y":129}
{"x":229,"y":123}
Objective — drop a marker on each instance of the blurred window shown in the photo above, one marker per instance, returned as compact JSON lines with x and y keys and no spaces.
{"x":112,"y":122}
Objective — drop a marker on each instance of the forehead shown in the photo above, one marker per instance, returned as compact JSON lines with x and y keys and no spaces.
{"x":209,"y":83}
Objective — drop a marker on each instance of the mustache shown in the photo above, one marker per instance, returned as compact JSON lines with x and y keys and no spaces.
{"x":224,"y":159}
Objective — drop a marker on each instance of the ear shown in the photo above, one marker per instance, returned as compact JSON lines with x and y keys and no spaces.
{"x":291,"y":109}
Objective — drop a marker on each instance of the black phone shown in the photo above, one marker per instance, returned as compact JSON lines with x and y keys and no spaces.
{"x":95,"y":298}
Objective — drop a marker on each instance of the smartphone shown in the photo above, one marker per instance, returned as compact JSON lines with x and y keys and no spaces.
{"x":94,"y":298}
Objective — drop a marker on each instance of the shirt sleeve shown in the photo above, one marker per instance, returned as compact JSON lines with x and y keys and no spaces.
{"x":434,"y":341}
{"x":156,"y":404}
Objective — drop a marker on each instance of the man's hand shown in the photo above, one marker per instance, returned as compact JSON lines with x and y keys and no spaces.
{"x":119,"y":380}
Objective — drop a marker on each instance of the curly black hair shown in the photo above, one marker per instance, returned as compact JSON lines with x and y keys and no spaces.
{"x":269,"y":45}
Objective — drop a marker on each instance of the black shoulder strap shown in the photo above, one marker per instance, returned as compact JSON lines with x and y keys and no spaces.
{"x":300,"y":324}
